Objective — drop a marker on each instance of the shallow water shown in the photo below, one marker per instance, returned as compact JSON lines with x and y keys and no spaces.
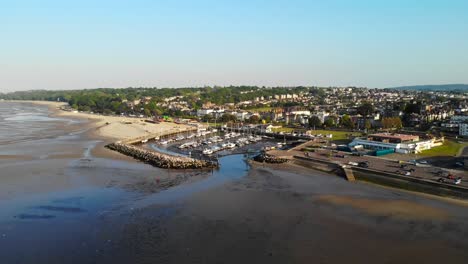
{"x":22,"y":122}
{"x":231,"y":168}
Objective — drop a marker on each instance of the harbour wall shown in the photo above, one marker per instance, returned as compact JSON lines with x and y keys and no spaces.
{"x":160,"y":160}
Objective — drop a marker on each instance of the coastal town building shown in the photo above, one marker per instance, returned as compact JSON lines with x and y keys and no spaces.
{"x":463,"y":129}
{"x":400,"y":143}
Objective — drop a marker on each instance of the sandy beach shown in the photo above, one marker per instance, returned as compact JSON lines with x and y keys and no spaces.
{"x":113,"y":128}
{"x":106,"y":129}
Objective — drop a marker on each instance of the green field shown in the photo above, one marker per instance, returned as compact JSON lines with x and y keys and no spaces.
{"x":449,"y":148}
{"x":337,"y":135}
{"x":286,"y":129}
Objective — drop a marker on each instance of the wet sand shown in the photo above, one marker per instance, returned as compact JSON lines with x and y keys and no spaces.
{"x":287,"y":215}
{"x":394,"y":208}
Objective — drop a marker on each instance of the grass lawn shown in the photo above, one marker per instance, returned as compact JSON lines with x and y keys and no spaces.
{"x":337,"y":135}
{"x":449,"y":148}
{"x":287,"y":129}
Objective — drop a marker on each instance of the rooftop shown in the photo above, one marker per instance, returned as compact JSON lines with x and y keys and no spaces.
{"x":402,"y":137}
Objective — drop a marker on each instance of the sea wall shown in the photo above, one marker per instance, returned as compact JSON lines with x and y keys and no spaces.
{"x":320,"y":165}
{"x":160,"y":160}
{"x":385,"y":178}
{"x":409,"y":183}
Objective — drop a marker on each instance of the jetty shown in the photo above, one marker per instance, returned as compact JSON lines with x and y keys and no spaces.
{"x":160,"y":160}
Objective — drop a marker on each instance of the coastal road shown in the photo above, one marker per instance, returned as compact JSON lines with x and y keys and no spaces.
{"x":424,"y":171}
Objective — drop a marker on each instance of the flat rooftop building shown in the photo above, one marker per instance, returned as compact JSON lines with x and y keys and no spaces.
{"x":392,"y":138}
{"x":401,"y":143}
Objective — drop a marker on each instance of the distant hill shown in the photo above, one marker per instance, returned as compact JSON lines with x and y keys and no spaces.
{"x":442,"y":87}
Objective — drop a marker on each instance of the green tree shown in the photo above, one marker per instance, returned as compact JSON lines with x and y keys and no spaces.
{"x":208,"y":118}
{"x":347,"y":122}
{"x":392,"y":123}
{"x":314,"y":121}
{"x":397,"y":123}
{"x":227,"y":118}
{"x":254,"y":119}
{"x":368,"y":124}
{"x":366,"y":109}
{"x":412,"y":108}
{"x":330,"y":122}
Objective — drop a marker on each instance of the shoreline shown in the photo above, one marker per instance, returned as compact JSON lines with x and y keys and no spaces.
{"x":113,"y":127}
{"x":107,"y":129}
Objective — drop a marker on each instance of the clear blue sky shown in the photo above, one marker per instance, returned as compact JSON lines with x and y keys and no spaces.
{"x":173,"y":43}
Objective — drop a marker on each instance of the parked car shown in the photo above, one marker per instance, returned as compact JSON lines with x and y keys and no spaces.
{"x":363,"y":164}
{"x":455,"y":181}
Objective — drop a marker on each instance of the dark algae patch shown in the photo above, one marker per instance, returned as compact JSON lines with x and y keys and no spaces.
{"x":61,"y":209}
{"x":34,"y":216}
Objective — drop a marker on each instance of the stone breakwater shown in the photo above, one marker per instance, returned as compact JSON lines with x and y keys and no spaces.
{"x":159,"y":159}
{"x":267,"y":158}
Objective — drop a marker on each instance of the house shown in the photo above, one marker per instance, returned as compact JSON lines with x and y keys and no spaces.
{"x":204,"y":112}
{"x":267,"y":128}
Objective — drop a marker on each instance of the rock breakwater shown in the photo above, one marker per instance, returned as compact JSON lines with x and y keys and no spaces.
{"x":264,"y":157}
{"x":160,"y":160}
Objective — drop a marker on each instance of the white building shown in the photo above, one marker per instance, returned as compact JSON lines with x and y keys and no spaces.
{"x":241,"y":115}
{"x":463,"y":129}
{"x":322,"y":115}
{"x":399,"y":143}
{"x":204,"y":112}
{"x":374,"y":145}
{"x":301,"y":112}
